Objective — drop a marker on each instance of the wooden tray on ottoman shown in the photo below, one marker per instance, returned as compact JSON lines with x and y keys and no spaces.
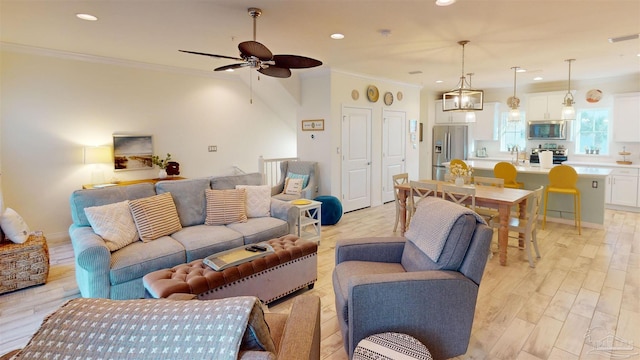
{"x":23,"y":265}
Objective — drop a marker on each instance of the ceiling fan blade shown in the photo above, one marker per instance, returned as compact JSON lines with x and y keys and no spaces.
{"x":232,"y":66}
{"x":254,"y":48}
{"x":295,"y":61}
{"x":211,"y":55}
{"x":275,"y":71}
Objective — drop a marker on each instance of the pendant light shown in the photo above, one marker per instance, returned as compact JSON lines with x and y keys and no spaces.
{"x":514,"y":102}
{"x":463,"y":98}
{"x":568,"y":111}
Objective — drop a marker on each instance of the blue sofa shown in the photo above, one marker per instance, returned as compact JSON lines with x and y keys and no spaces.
{"x":101,"y":273}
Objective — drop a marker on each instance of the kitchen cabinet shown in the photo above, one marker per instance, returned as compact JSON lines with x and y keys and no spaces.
{"x":622,"y":187}
{"x":626,"y":117}
{"x":487,"y":123}
{"x":449,"y":117}
{"x":545,"y":106}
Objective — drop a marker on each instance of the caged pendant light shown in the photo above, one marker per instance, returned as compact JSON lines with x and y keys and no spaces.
{"x":568,"y":111}
{"x":463,"y":98}
{"x":513,"y":101}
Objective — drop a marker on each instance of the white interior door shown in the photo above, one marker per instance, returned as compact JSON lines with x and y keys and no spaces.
{"x":393,"y":150}
{"x":356,"y":158}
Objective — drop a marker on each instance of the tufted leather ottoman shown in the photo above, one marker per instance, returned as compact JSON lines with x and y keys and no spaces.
{"x":293,"y":266}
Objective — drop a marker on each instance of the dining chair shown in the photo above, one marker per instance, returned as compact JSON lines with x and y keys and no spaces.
{"x":527,"y":226}
{"x":399,"y":179}
{"x":460,"y":195}
{"x":420,"y":189}
{"x":488,"y":181}
{"x":488,"y":214}
{"x":508,"y":172}
{"x":563,"y":180}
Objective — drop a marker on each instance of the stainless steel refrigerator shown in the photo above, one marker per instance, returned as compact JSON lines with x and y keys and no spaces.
{"x":449,"y":142}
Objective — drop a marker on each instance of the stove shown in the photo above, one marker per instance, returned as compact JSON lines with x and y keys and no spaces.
{"x":559,"y":155}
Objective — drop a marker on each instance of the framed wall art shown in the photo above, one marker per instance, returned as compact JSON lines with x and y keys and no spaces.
{"x":132,"y":152}
{"x":313,"y":125}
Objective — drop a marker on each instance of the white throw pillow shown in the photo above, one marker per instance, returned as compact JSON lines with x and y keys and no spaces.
{"x":258,"y":200}
{"x":293,"y":186}
{"x":114,"y":223}
{"x":14,"y":226}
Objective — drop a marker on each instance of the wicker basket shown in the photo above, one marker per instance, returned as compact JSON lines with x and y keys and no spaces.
{"x":23,"y":265}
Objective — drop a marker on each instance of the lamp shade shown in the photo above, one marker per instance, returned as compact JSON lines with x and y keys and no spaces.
{"x":97,"y":155}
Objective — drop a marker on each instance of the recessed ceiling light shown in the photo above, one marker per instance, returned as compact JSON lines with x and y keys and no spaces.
{"x":87,"y":17}
{"x":439,"y":81}
{"x":537,"y":78}
{"x":521,"y":70}
{"x":337,"y":36}
{"x":444,"y":2}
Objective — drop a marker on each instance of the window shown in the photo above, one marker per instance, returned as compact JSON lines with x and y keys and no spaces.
{"x":512,"y":133}
{"x":592,"y":131}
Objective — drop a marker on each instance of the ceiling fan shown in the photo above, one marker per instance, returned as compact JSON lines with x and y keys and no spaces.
{"x":257,"y":56}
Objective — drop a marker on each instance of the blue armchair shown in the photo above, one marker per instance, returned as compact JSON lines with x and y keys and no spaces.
{"x":389,"y":284}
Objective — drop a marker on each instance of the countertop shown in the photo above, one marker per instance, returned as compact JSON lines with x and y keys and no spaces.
{"x":612,"y":164}
{"x":584,"y":170}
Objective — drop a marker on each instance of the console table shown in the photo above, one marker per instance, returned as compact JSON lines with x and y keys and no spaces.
{"x":130,"y":182}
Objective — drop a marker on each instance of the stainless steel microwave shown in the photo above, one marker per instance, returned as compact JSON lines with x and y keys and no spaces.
{"x":547,"y":130}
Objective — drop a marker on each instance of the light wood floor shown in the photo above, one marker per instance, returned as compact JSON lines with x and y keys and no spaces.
{"x":582,"y":282}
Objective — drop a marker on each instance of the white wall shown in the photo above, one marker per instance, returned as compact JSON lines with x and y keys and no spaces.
{"x":52,"y":106}
{"x":342,"y":85}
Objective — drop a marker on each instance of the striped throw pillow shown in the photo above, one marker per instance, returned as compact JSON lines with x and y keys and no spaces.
{"x":226,"y":206}
{"x":155,"y":216}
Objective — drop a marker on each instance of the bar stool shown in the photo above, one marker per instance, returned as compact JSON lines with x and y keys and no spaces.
{"x":459,"y":162}
{"x":507,"y":171}
{"x":563,"y":180}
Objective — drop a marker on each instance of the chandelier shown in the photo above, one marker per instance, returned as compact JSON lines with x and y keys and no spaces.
{"x":463,"y":98}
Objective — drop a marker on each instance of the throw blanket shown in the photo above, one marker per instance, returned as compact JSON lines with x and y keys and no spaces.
{"x":143,"y":329}
{"x":431,"y":224}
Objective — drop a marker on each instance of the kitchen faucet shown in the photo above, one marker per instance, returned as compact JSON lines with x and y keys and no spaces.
{"x":515,"y":149}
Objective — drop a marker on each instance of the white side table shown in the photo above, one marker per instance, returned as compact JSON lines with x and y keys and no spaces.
{"x":308,"y":224}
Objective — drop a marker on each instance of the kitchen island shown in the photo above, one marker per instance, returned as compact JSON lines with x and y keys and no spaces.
{"x":591,"y":183}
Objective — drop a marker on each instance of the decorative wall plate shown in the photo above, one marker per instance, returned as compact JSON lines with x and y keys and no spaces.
{"x":355,"y":94}
{"x":372,"y":93}
{"x":594,"y":95}
{"x":399,"y":96}
{"x":388,"y":98}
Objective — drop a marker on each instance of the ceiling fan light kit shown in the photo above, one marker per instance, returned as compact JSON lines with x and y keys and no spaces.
{"x":463,"y":98}
{"x":257,"y":56}
{"x":568,"y":111}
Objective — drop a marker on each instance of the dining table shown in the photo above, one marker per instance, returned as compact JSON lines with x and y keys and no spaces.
{"x":502,"y":199}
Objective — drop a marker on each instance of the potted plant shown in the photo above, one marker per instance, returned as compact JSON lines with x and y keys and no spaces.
{"x":162,"y":164}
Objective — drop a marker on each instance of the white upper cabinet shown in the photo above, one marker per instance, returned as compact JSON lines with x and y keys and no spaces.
{"x":626,"y":117}
{"x":545,"y":106}
{"x":487,"y":122}
{"x":449,"y":117}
